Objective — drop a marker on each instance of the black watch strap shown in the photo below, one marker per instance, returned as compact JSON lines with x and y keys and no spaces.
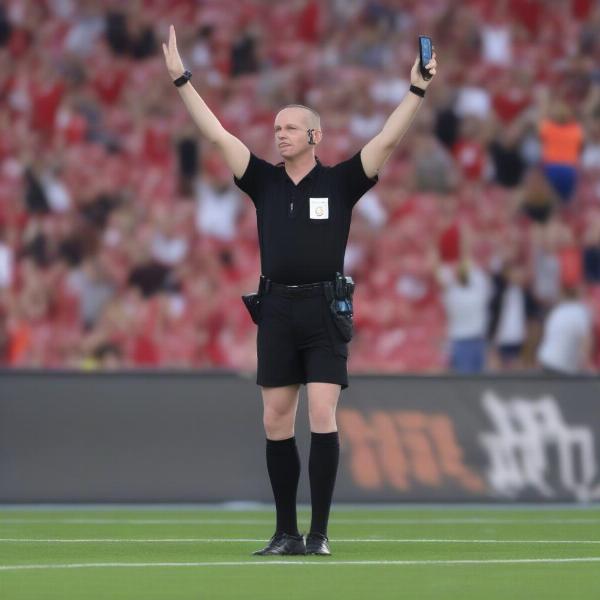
{"x":417,"y":90}
{"x":187,"y":75}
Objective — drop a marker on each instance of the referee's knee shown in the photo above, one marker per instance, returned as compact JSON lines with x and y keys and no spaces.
{"x":322,"y":418}
{"x":278,"y":425}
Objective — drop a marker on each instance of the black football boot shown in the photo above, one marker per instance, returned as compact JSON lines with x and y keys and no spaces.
{"x":317,"y":543}
{"x":283,"y":544}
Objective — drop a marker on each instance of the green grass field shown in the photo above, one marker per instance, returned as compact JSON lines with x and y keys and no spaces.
{"x":194,"y":553}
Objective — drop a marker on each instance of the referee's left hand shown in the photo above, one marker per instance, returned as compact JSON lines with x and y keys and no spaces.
{"x":415,"y":75}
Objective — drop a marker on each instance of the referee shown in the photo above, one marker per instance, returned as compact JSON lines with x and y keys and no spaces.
{"x":303,"y":212}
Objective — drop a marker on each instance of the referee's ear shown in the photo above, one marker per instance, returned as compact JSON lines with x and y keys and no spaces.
{"x":317,"y":136}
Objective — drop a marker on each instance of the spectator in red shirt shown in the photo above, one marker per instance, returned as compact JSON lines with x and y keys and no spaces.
{"x":469,"y":151}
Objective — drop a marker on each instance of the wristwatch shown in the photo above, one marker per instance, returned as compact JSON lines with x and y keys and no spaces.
{"x":187,"y":75}
{"x":417,"y":90}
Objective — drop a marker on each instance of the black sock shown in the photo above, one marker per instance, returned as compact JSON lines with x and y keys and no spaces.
{"x":322,"y":469}
{"x":283,"y":465}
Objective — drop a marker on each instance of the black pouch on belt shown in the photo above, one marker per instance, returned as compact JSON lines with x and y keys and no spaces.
{"x":252,"y":303}
{"x":339,"y":298}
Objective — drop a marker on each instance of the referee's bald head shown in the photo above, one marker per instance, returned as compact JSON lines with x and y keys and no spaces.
{"x":310,"y":116}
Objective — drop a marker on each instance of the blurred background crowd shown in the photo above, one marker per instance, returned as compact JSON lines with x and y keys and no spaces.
{"x":124,"y":243}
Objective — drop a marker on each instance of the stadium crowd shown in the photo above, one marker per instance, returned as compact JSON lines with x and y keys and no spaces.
{"x":124,"y":243}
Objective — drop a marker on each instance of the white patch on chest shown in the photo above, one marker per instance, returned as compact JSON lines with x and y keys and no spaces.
{"x":319,"y":208}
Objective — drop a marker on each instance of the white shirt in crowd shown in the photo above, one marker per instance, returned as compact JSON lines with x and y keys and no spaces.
{"x":473,"y":101}
{"x":590,"y":157}
{"x":466,"y":305}
{"x":512,"y":324}
{"x":496,"y":44}
{"x":371,"y":208}
{"x":169,"y":250}
{"x":564,"y":343}
{"x":217,"y":212}
{"x":546,"y":276}
{"x":365,"y":127}
{"x":6,"y":265}
{"x":57,"y":193}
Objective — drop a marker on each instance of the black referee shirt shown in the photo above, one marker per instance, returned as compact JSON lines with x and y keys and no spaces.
{"x":303,"y":229}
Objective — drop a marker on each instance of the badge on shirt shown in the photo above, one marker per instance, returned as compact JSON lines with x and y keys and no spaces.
{"x":319,"y":208}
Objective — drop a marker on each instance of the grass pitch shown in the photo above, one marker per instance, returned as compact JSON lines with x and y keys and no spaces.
{"x":194,"y":553}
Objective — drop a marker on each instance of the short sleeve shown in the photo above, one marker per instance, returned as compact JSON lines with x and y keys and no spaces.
{"x":353,"y":180}
{"x":255,"y":176}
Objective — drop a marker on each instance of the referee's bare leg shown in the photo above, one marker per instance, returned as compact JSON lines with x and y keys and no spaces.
{"x":283,"y":465}
{"x":323,"y":461}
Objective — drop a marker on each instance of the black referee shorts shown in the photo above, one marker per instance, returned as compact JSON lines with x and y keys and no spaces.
{"x":297,"y":340}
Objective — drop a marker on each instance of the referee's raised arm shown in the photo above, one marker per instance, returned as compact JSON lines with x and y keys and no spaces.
{"x":235,"y":152}
{"x":378,"y":150}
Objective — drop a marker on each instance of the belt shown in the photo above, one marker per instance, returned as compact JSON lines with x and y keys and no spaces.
{"x":303,"y":290}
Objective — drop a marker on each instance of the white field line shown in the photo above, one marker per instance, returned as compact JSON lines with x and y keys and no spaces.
{"x":259,"y":540}
{"x":318,"y":562}
{"x":338,"y":521}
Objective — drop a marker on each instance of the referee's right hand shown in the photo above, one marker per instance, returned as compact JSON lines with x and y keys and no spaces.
{"x":172,"y":58}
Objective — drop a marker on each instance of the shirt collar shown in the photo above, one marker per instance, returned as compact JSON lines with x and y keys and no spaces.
{"x":309,"y":176}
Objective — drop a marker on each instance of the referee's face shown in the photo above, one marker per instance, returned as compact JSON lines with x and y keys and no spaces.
{"x":291,"y":137}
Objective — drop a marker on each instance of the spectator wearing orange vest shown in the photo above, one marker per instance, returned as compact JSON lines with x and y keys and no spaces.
{"x":562,"y":141}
